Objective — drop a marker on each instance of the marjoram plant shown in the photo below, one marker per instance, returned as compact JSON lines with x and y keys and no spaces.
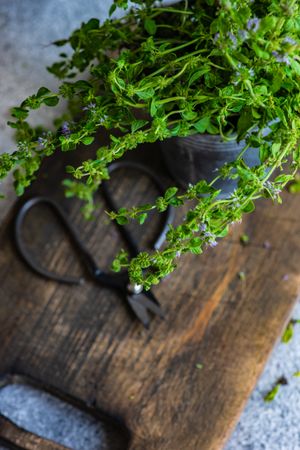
{"x":223,"y":67}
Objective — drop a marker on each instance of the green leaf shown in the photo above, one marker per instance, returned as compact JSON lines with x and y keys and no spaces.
{"x":269,"y":397}
{"x":42,"y":91}
{"x":189,"y":115}
{"x":211,"y":129}
{"x":19,"y":113}
{"x":294,"y":188}
{"x":288,"y":333}
{"x":175,"y":201}
{"x":69,"y":169}
{"x":137,"y":124}
{"x":284,"y":178}
{"x":92,"y":24}
{"x":153,"y":108}
{"x":121,"y":83}
{"x":249,"y":207}
{"x":142,"y":217}
{"x":112,"y":9}
{"x":51,"y":101}
{"x":82,"y":85}
{"x":12,"y":124}
{"x":196,"y":75}
{"x":58,"y":69}
{"x":116,"y":265}
{"x":244,"y":239}
{"x":19,"y":189}
{"x":263,"y":153}
{"x":199,"y":366}
{"x":276,"y":148}
{"x":170,"y":192}
{"x":242,"y":275}
{"x":195,"y":245}
{"x":87,"y":140}
{"x":146,"y":94}
{"x":295,"y":66}
{"x":161,"y":204}
{"x":260,"y":52}
{"x":202,"y":98}
{"x":202,"y":124}
{"x":195,"y":242}
{"x":245,"y":122}
{"x":277,"y":82}
{"x":150,"y":26}
{"x":175,"y":129}
{"x":202,"y":187}
{"x":268,"y":23}
{"x":122,"y":220}
{"x":255,"y":114}
{"x":223,"y":232}
{"x":60,"y":42}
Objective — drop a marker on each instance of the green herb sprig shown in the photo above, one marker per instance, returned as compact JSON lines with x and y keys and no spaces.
{"x":270,"y":396}
{"x":232,"y":68}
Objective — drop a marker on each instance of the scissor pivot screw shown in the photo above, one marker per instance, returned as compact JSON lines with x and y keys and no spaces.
{"x":135,"y":288}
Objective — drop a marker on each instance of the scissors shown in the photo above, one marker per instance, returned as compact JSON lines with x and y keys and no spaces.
{"x":141,"y":302}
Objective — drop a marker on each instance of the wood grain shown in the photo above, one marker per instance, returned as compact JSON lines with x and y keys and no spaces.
{"x":82,"y":341}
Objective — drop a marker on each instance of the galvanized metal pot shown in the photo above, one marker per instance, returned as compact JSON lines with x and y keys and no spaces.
{"x":193,"y":158}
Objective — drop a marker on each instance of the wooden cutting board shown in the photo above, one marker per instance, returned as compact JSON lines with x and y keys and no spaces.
{"x":82,"y":342}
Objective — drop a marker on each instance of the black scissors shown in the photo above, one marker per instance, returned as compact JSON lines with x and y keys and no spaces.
{"x":140,"y":301}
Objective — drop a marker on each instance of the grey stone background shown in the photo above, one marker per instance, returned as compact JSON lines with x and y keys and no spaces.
{"x":47,"y":416}
{"x":27,"y":27}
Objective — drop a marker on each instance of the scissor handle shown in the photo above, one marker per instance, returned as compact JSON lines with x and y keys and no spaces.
{"x":168,"y":214}
{"x":85,"y":255}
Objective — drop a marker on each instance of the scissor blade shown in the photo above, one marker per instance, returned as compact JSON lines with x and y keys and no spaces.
{"x":141,"y":304}
{"x":139,"y":309}
{"x":150,"y":302}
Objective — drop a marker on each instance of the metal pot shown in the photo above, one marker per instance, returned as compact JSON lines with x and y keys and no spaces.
{"x":194,"y":158}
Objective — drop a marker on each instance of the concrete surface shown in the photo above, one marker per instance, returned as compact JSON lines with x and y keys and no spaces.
{"x":26,"y":30}
{"x":49,"y":417}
